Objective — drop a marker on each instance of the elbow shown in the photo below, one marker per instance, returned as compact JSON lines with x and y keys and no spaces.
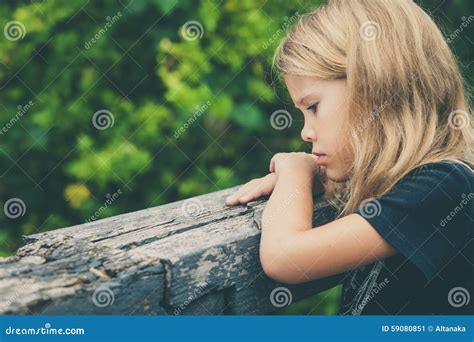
{"x":275,"y":267}
{"x":270,"y":269}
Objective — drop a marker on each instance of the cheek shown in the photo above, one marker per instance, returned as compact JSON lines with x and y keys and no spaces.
{"x":345,"y":151}
{"x":341,"y":164}
{"x":341,"y":140}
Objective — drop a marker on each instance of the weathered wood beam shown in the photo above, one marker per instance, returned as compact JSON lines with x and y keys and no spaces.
{"x":195,"y":256}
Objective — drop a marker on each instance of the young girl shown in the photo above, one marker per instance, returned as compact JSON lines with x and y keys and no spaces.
{"x":390,"y":128}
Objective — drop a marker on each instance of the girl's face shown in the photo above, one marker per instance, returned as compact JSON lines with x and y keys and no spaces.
{"x":325,"y":108}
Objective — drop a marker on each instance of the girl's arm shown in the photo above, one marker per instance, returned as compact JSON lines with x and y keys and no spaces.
{"x":292,"y":252}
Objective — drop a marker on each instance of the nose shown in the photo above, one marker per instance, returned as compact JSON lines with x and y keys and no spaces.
{"x":308,"y":134}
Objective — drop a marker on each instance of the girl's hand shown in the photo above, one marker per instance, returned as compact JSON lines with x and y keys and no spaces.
{"x":253,"y":189}
{"x":295,"y":161}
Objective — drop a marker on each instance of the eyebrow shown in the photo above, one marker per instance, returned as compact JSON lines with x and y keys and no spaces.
{"x":302,"y":99}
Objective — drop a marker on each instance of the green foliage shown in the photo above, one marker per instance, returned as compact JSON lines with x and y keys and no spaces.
{"x":70,"y":64}
{"x":323,"y":303}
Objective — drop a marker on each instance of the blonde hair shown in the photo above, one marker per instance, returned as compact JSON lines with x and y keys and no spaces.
{"x":407,"y":101}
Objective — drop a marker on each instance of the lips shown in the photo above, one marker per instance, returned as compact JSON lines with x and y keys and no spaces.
{"x":318,"y":154}
{"x":320,"y":157}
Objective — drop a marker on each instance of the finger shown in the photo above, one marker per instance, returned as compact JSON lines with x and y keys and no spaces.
{"x":234,"y":198}
{"x":231,"y":201}
{"x":264,"y":188}
{"x":315,"y":158}
{"x":253,"y":193}
{"x":250,"y":196}
{"x":240,"y":199}
{"x":246,"y":198}
{"x":270,"y":167}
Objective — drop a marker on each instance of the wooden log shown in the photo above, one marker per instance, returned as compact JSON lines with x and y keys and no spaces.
{"x":195,"y":256}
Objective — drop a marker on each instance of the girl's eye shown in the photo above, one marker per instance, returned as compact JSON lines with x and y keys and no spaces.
{"x":313,"y":108}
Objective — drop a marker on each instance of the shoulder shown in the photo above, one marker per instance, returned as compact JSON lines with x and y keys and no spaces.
{"x":443,"y":172}
{"x":435,"y":183}
{"x":427,"y":215}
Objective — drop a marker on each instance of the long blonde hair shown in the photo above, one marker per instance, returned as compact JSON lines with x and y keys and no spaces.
{"x":407,"y":101}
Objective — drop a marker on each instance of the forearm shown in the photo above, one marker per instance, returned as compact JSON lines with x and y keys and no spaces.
{"x":289,"y":209}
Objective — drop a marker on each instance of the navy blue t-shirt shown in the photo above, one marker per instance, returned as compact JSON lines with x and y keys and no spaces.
{"x":428,"y":217}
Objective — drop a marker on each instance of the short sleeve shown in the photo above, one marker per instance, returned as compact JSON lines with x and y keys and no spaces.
{"x":427,"y":216}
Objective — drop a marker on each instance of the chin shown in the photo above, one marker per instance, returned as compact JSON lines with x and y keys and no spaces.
{"x":336,"y":175}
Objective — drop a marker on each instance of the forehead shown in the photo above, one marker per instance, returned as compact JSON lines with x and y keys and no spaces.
{"x":302,"y":87}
